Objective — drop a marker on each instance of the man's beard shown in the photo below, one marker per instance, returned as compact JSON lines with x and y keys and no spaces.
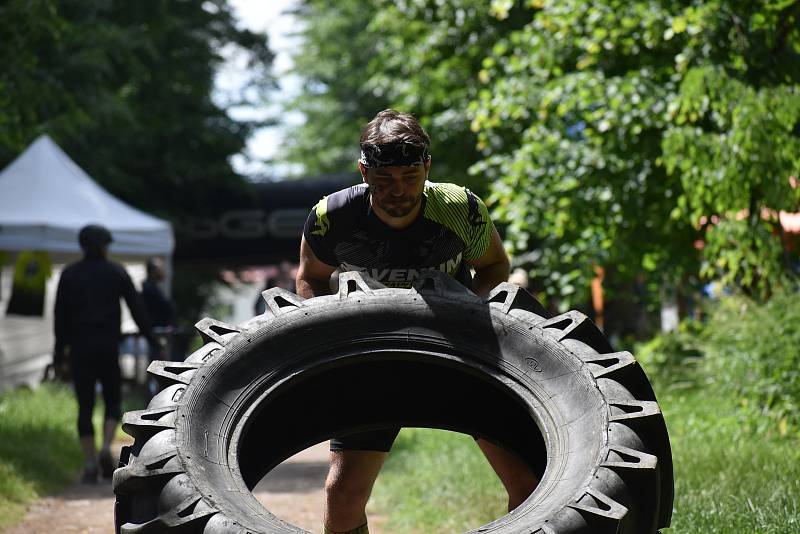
{"x":398,"y":207}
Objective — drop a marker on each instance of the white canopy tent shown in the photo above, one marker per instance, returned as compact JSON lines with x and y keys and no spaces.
{"x":45,"y":199}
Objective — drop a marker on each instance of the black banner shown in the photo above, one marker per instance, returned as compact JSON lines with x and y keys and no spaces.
{"x":262,"y":228}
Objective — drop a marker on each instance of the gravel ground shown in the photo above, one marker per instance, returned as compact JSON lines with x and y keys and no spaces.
{"x":292,"y":491}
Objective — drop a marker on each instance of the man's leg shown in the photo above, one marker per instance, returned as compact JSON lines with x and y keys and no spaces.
{"x":109,"y":432}
{"x":83,"y":379}
{"x":111,"y":381}
{"x":89,"y":451}
{"x":348,"y":487}
{"x":516,"y":476}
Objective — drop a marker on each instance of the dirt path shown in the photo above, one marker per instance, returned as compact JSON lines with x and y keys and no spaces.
{"x":83,"y":508}
{"x":292,"y":491}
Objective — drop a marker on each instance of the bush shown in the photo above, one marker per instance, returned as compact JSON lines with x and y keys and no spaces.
{"x":753,"y":351}
{"x":672,"y":359}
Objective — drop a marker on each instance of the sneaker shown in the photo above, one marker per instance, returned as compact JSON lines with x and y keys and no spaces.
{"x":106,"y":464}
{"x":89,"y":476}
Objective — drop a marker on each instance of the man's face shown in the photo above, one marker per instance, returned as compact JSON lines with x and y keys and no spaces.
{"x":397,"y":191}
{"x":157,"y":270}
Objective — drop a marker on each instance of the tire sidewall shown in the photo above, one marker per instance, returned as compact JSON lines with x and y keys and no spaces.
{"x":509,"y":350}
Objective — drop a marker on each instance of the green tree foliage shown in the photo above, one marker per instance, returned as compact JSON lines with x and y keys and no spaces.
{"x":419,"y":56}
{"x":428,"y":55}
{"x":734,"y":135}
{"x":333,"y":61}
{"x":618,"y":128}
{"x":571,"y":121}
{"x":654,"y":138}
{"x":126,"y":89}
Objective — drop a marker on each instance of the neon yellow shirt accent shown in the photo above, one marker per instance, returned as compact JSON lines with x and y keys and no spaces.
{"x":461,"y":211}
{"x":323,"y":224}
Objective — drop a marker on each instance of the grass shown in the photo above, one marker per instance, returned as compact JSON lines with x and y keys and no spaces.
{"x":437,"y":481}
{"x":39,"y":451}
{"x":727,"y":480}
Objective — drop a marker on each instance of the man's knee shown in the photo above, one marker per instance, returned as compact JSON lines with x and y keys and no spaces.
{"x":113,"y":411}
{"x":348,"y":490}
{"x":85,"y":425}
{"x":348,"y":487}
{"x":363,"y":529}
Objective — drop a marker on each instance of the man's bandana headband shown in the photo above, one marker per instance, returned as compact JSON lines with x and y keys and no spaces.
{"x":393,"y":155}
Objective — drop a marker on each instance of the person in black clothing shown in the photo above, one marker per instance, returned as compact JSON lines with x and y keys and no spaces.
{"x":159,"y":307}
{"x":87,"y":332}
{"x":260,"y":305}
{"x":161,"y":312}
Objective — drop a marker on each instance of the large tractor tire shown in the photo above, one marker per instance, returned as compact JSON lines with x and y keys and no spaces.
{"x":550,"y":389}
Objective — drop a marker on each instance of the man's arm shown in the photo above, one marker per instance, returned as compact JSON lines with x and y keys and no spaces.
{"x":491,"y":268}
{"x":157,"y":304}
{"x":136,"y":305}
{"x":313,"y":275}
{"x":60,"y":321}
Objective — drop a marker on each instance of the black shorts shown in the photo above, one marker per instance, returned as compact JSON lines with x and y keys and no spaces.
{"x":90,"y":363}
{"x":375,"y":440}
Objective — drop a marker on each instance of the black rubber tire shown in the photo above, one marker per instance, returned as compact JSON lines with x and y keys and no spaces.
{"x":369,"y":357}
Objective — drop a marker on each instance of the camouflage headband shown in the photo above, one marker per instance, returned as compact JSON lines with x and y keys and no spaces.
{"x":393,"y":155}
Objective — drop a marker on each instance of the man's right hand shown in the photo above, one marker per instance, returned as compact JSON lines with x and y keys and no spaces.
{"x":313,"y":275}
{"x":61,"y":370}
{"x":61,"y":365}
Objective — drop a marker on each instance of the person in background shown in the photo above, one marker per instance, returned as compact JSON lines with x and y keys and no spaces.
{"x":519,"y":277}
{"x":162,"y":315}
{"x":87,"y":332}
{"x":159,"y":308}
{"x":288,"y":273}
{"x":284,"y":279}
{"x":260,"y":305}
